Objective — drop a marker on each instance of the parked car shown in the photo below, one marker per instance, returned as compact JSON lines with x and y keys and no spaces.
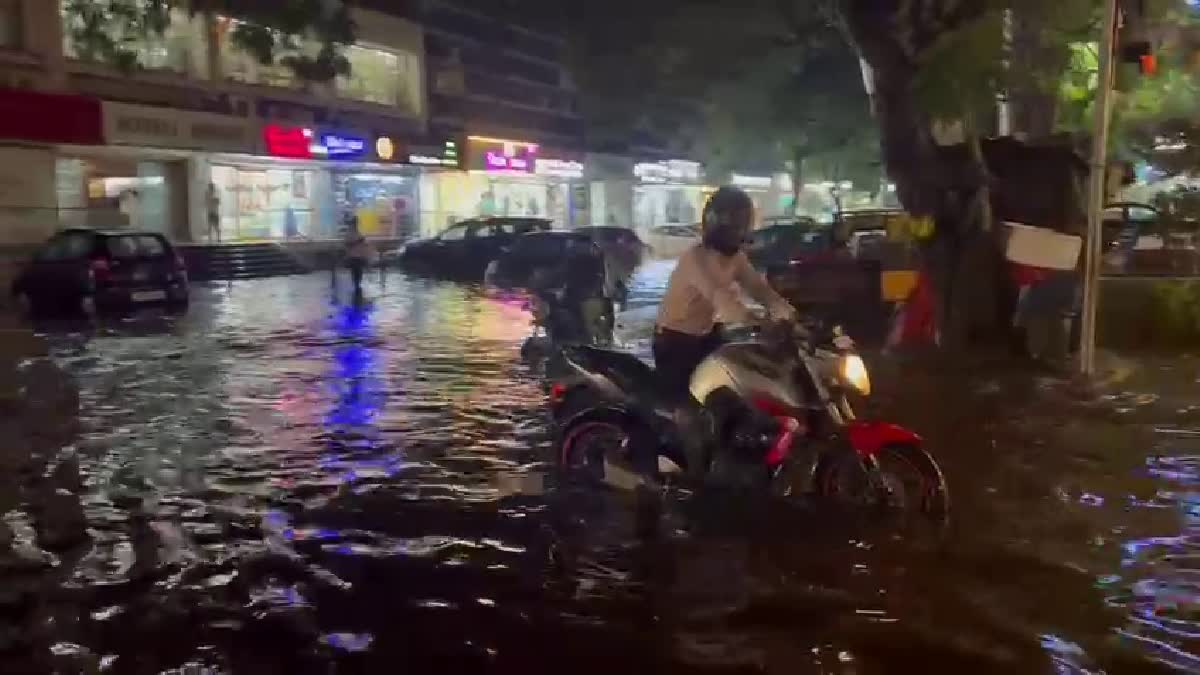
{"x":670,"y":241}
{"x":537,"y":253}
{"x":89,"y":270}
{"x":1140,"y":239}
{"x":621,"y":244}
{"x":465,"y":249}
{"x":784,"y":242}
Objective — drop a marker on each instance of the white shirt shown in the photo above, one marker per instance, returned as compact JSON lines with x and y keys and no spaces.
{"x":704,"y":285}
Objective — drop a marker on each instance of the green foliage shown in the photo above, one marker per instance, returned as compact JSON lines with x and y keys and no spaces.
{"x":963,"y":70}
{"x":1177,"y":313}
{"x":104,"y":30}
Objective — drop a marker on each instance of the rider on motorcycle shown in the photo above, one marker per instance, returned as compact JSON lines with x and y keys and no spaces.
{"x":703,"y":289}
{"x":576,"y":290}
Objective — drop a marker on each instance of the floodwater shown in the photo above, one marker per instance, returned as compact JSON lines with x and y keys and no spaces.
{"x":283,"y":482}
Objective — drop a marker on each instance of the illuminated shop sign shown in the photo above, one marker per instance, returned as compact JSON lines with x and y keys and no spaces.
{"x":446,"y":155}
{"x":341,"y":146}
{"x":385,"y":149}
{"x":497,"y":154}
{"x":518,"y":161}
{"x":290,"y":142}
{"x":670,"y":171}
{"x":751,"y":182}
{"x":560,"y":168}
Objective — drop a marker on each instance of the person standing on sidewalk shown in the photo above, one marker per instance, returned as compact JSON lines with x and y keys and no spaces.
{"x":214,"y":214}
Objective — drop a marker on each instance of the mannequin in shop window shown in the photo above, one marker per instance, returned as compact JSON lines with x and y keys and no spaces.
{"x":214,"y":214}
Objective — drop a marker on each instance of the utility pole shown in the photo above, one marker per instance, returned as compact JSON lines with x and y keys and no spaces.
{"x":1096,"y":190}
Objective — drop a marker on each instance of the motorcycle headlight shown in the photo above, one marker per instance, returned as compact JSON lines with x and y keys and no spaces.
{"x":853,"y":373}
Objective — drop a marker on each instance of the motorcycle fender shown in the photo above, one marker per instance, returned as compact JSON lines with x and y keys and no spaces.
{"x":868,"y":438}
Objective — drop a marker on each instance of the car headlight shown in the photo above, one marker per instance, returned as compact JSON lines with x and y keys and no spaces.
{"x":853,"y":373}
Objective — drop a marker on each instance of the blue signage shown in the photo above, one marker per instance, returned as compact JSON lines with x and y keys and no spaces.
{"x":343,"y":146}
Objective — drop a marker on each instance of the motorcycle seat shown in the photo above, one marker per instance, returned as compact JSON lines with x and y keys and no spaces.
{"x":625,"y":370}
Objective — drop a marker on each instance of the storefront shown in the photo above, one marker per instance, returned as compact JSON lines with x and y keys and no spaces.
{"x":312,"y":178}
{"x":507,"y":178}
{"x":35,"y":123}
{"x":670,"y":192}
{"x":142,"y":176}
{"x":772,"y":194}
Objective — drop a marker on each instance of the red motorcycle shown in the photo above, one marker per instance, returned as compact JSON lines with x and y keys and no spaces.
{"x":771,"y":412}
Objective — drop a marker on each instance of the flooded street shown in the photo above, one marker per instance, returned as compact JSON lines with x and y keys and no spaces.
{"x":282,"y":482}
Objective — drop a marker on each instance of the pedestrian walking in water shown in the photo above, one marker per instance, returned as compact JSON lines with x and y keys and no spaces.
{"x":357,"y":253}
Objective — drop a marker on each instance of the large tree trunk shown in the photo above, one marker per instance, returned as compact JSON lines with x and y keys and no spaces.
{"x":928,"y":180}
{"x":968,"y":187}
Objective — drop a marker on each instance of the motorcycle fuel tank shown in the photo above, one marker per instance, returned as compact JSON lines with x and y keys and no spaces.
{"x":750,"y":370}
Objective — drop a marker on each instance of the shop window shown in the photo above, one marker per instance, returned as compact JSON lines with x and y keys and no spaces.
{"x":10,"y":24}
{"x":181,"y":48}
{"x":382,"y":76}
{"x":260,"y":203}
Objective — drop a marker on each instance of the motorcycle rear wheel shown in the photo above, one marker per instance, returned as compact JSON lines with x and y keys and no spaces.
{"x":904,"y":479}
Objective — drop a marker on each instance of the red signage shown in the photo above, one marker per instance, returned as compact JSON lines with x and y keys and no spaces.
{"x":50,"y":118}
{"x":290,"y":142}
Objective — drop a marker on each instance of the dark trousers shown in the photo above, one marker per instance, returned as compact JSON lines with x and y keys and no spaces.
{"x":357,"y":266}
{"x":677,"y":354}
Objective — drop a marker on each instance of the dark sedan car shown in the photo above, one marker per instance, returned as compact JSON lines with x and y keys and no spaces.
{"x":537,"y":256}
{"x":783,"y":242}
{"x":81,"y":269}
{"x":465,"y":249}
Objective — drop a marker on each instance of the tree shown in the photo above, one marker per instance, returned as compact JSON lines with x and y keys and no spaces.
{"x":306,"y":35}
{"x":807,"y":111}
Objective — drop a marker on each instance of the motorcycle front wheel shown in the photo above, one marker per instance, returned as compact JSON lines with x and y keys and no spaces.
{"x":903,"y":479}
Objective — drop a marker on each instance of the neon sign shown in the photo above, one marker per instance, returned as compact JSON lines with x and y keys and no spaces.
{"x":290,"y":142}
{"x":338,"y":146}
{"x":501,"y":155}
{"x":503,"y":162}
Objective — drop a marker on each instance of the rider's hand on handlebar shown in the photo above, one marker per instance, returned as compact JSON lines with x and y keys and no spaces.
{"x":781,"y":311}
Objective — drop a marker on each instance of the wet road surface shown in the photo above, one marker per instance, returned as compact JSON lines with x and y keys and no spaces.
{"x":280,"y":482}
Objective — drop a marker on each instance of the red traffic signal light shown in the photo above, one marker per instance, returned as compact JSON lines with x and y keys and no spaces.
{"x":1148,"y":64}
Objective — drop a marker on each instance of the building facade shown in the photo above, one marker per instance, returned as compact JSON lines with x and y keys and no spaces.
{"x":447,"y":114}
{"x":202,"y":141}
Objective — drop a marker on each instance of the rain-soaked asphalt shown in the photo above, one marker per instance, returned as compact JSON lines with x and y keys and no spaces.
{"x":279,"y":482}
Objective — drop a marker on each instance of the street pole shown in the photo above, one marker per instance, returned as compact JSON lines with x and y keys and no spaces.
{"x":1096,"y":189}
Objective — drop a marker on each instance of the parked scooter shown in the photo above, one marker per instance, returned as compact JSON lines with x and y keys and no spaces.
{"x":560,"y":321}
{"x":770,"y":411}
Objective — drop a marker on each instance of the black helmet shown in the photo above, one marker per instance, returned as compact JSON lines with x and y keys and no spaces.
{"x":727,"y":219}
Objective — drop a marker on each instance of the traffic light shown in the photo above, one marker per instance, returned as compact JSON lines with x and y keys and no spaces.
{"x":1135,"y":46}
